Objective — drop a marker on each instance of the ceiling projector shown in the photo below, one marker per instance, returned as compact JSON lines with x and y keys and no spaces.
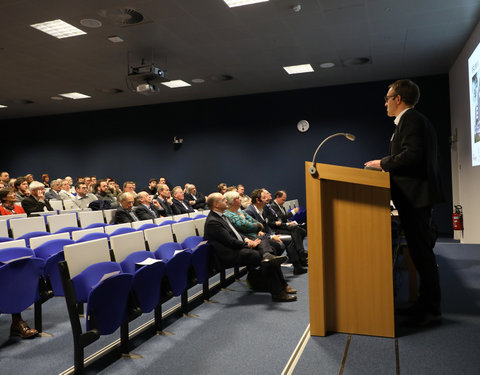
{"x":147,"y":71}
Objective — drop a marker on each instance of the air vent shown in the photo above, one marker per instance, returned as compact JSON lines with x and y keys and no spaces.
{"x":124,"y":16}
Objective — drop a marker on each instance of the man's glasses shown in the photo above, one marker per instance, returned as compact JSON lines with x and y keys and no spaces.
{"x":388,"y":97}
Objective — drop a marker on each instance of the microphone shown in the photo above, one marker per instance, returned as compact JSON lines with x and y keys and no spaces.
{"x":349,"y":136}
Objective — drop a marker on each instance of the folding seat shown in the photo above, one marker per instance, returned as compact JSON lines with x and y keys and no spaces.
{"x":86,"y":218}
{"x":56,"y":204}
{"x":20,"y":276}
{"x":178,"y":263}
{"x":160,"y":220}
{"x":200,"y":225}
{"x":138,"y":224}
{"x":112,"y":227}
{"x":21,"y":226}
{"x":124,"y":244}
{"x":69,"y":205}
{"x":184,"y":229}
{"x":57,"y":222}
{"x":52,"y":253}
{"x":37,"y":241}
{"x":167,"y":222}
{"x":124,"y":230}
{"x":28,"y":236}
{"x":3,"y":228}
{"x":82,"y":232}
{"x":96,"y":225}
{"x":12,"y":243}
{"x":147,"y":226}
{"x":92,"y":236}
{"x":184,"y":219}
{"x":200,"y":256}
{"x":178,"y":217}
{"x":69,"y":230}
{"x":158,"y":236}
{"x":109,"y":215}
{"x":89,"y":275}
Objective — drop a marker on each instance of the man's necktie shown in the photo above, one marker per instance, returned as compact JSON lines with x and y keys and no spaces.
{"x":239,"y":237}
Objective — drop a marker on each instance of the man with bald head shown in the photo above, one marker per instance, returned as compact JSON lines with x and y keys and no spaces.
{"x":234,"y":249}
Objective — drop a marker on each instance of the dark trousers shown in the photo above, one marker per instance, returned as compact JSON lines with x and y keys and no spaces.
{"x":421,"y":236}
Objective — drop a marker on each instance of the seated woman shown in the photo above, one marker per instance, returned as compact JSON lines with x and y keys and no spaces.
{"x":19,"y":326}
{"x":7,"y":199}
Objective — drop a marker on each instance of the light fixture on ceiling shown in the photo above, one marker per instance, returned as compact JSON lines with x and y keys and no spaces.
{"x":58,"y":29}
{"x":115,"y":39}
{"x":297,"y":8}
{"x":3,"y":106}
{"x":327,"y":65}
{"x":176,"y":84}
{"x":91,"y":23}
{"x":198,"y":80}
{"x":239,"y":3}
{"x":74,"y":95}
{"x":58,"y":98}
{"x":296,"y":69}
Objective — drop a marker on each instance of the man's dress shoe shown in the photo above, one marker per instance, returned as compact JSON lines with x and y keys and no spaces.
{"x":22,"y":329}
{"x":284,"y":297}
{"x":290,"y":290}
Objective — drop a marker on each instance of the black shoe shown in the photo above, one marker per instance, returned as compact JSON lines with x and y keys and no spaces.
{"x":284,"y":297}
{"x":272,"y":259}
{"x":299,"y":270}
{"x":423,"y":320}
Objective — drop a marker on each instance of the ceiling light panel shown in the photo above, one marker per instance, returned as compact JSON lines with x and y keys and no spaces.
{"x":239,"y":3}
{"x":175,"y":84}
{"x":74,"y":95}
{"x":3,"y":106}
{"x":296,"y":69}
{"x":58,"y":28}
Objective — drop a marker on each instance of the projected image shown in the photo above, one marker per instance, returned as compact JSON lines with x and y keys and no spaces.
{"x":474,"y":75}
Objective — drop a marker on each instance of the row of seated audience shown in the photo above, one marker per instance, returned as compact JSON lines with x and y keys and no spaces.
{"x":252,"y":231}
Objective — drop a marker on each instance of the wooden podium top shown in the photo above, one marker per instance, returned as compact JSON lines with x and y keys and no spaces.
{"x":352,"y":175}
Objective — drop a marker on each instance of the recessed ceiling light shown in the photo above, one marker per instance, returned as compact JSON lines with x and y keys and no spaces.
{"x":90,"y":22}
{"x":198,"y":80}
{"x":327,"y":65}
{"x":296,"y":69}
{"x":115,"y":39}
{"x":74,"y":95}
{"x":239,"y":3}
{"x":56,"y":98}
{"x":175,"y":84}
{"x":3,"y":106}
{"x":58,"y":28}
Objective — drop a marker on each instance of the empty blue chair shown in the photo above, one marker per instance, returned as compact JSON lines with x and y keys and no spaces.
{"x":147,"y":226}
{"x":177,"y":265}
{"x":68,"y":230}
{"x":118,"y":231}
{"x":29,"y":235}
{"x":184,"y":219}
{"x":167,"y":222}
{"x":147,"y":279}
{"x":107,"y":304}
{"x":96,"y":225}
{"x":200,"y":256}
{"x":52,"y":253}
{"x":19,"y":279}
{"x":92,"y":236}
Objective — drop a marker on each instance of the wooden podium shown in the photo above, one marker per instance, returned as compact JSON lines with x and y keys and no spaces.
{"x":349,"y":251}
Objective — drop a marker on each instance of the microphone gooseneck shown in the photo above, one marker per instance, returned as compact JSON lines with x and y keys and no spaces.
{"x":349,"y":136}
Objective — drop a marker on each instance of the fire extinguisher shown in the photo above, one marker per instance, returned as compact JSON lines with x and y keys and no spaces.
{"x":457,"y":218}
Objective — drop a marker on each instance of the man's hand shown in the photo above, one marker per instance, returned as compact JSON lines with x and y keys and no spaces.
{"x":156,"y":204}
{"x":276,"y":238}
{"x":373,"y":164}
{"x":278,"y":223}
{"x":251,"y":244}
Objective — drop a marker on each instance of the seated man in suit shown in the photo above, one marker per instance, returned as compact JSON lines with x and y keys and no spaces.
{"x":234,"y":249}
{"x":53,"y":193}
{"x":164,"y":198}
{"x":259,"y":212}
{"x":36,"y":201}
{"x":65,"y":192}
{"x":102,"y":192}
{"x":196,"y":199}
{"x":125,"y":213}
{"x":179,"y":204}
{"x":147,"y":209}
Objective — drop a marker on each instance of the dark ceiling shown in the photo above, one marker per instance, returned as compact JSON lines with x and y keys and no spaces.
{"x":236,"y":51}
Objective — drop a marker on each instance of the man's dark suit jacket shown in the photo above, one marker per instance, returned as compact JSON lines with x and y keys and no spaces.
{"x":30,"y":204}
{"x":278,"y":210}
{"x":143,"y":213}
{"x":178,"y":207}
{"x":122,"y":216}
{"x":412,"y":163}
{"x":223,"y":240}
{"x":167,"y":207}
{"x":199,"y":201}
{"x":253,"y":213}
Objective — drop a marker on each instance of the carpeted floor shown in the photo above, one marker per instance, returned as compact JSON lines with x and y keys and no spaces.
{"x":246,"y":333}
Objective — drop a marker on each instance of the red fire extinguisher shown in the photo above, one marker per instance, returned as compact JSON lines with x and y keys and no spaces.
{"x":457,"y":218}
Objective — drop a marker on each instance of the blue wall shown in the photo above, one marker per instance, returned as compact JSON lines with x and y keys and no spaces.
{"x":248,"y":139}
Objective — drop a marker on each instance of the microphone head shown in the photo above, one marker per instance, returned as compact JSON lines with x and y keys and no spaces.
{"x":349,"y":136}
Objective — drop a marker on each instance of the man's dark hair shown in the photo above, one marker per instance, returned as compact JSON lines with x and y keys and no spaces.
{"x":19,"y":181}
{"x":407,"y":89}
{"x":256,"y":194}
{"x":279,"y":194}
{"x":78,"y":184}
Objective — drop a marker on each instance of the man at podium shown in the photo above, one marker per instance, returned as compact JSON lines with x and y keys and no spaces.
{"x":415,"y":188}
